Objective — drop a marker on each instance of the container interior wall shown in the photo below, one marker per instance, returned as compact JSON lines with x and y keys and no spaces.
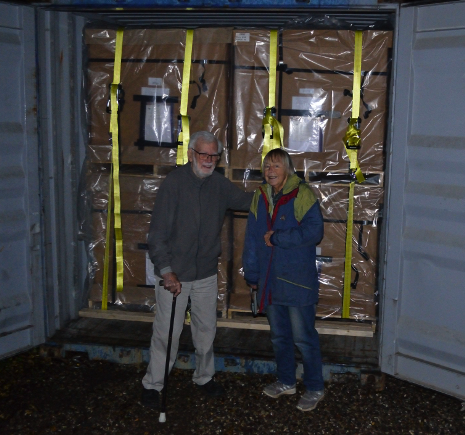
{"x":228,"y":91}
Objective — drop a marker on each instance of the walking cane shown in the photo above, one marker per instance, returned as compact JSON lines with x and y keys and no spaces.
{"x":162,"y":418}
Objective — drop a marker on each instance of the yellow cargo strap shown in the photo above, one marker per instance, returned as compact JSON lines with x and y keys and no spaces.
{"x":183,"y":137}
{"x":352,"y":136}
{"x":114,"y":180}
{"x":273,"y":132}
{"x":352,"y":144}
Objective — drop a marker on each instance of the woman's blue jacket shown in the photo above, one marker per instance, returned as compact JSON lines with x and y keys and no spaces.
{"x":286,"y":274}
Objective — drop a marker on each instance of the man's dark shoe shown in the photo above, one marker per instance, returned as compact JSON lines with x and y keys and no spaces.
{"x":211,"y":388}
{"x":150,"y":398}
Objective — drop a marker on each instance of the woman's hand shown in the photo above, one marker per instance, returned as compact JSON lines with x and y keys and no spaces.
{"x":267,"y":238}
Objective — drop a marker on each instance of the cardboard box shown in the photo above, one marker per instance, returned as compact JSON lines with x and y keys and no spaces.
{"x":151,"y":78}
{"x":331,"y":263}
{"x":313,"y":95}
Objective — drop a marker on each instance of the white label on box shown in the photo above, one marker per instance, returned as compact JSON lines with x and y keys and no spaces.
{"x":155,"y":92}
{"x":314,"y":103}
{"x":242,"y":37}
{"x":302,"y":103}
{"x":155,"y":81}
{"x":304,"y":134}
{"x":318,"y":250}
{"x":158,"y":122}
{"x":149,"y":272}
{"x":307,"y":91}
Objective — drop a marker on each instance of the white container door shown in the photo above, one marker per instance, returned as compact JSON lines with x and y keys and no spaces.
{"x":21,"y":285}
{"x":423,"y":318}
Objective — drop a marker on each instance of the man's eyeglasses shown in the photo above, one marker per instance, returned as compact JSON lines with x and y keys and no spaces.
{"x":205,"y":156}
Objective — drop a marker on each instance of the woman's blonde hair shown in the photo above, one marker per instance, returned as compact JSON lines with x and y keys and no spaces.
{"x":278,"y":154}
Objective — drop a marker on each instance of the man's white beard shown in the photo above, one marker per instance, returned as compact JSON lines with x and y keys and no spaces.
{"x":198,"y":172}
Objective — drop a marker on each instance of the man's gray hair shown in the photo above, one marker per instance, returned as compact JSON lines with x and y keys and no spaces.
{"x":278,"y":154}
{"x":207,"y":137}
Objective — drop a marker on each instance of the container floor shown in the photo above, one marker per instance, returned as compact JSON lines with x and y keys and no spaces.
{"x":75,"y":395}
{"x":340,"y":350}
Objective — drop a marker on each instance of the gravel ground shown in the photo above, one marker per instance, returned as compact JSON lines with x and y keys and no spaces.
{"x":42,"y":395}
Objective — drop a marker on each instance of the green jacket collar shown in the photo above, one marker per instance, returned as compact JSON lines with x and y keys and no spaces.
{"x":292,"y":183}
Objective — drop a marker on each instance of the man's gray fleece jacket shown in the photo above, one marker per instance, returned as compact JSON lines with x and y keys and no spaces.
{"x":187,"y":218}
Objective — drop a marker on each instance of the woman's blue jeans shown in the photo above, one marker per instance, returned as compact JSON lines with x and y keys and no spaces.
{"x":296,"y":325}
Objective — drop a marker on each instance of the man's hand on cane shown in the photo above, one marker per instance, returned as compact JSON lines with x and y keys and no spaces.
{"x":171,"y":283}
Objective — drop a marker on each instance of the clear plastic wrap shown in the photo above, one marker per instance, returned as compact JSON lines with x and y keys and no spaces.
{"x":313,"y":103}
{"x":368,"y":202}
{"x":138,"y":194}
{"x":151,"y":83}
{"x":368,"y":205}
{"x":137,"y":198}
{"x":313,"y":96}
{"x":151,"y":79}
{"x":229,"y":82}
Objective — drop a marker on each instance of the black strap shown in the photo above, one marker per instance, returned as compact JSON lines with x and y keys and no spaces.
{"x":309,"y":113}
{"x":287,"y":70}
{"x":202,"y":76}
{"x":353,"y":285}
{"x":196,"y":97}
{"x":360,"y":249}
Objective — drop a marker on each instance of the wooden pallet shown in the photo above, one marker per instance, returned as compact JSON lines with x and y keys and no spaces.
{"x":95,"y":310}
{"x":348,"y":328}
{"x":235,"y":313}
{"x":322,"y":326}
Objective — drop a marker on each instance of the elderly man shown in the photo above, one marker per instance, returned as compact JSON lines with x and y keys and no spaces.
{"x":184,"y":245}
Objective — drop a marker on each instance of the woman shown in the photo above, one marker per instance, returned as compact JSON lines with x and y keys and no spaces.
{"x":283,"y":227}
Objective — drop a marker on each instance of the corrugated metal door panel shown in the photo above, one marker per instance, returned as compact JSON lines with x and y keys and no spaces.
{"x":423,"y":329}
{"x":59,"y":48}
{"x":21,"y":307}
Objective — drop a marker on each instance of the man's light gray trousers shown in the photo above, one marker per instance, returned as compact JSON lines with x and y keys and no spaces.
{"x":203,"y":294}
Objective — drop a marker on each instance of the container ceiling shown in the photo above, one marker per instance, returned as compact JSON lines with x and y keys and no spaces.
{"x":268,"y":18}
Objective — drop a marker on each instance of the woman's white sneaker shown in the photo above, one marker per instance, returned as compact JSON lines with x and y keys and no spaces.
{"x":278,"y":388}
{"x":310,"y":399}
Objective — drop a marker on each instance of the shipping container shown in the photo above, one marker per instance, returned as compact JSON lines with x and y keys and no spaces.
{"x":54,"y":63}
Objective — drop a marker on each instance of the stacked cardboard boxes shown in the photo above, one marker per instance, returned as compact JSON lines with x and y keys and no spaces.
{"x":137,"y":200}
{"x":137,"y":197}
{"x":314,"y":87}
{"x":151,"y":82}
{"x":313,"y":103}
{"x":368,"y":202}
{"x":151,"y":78}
